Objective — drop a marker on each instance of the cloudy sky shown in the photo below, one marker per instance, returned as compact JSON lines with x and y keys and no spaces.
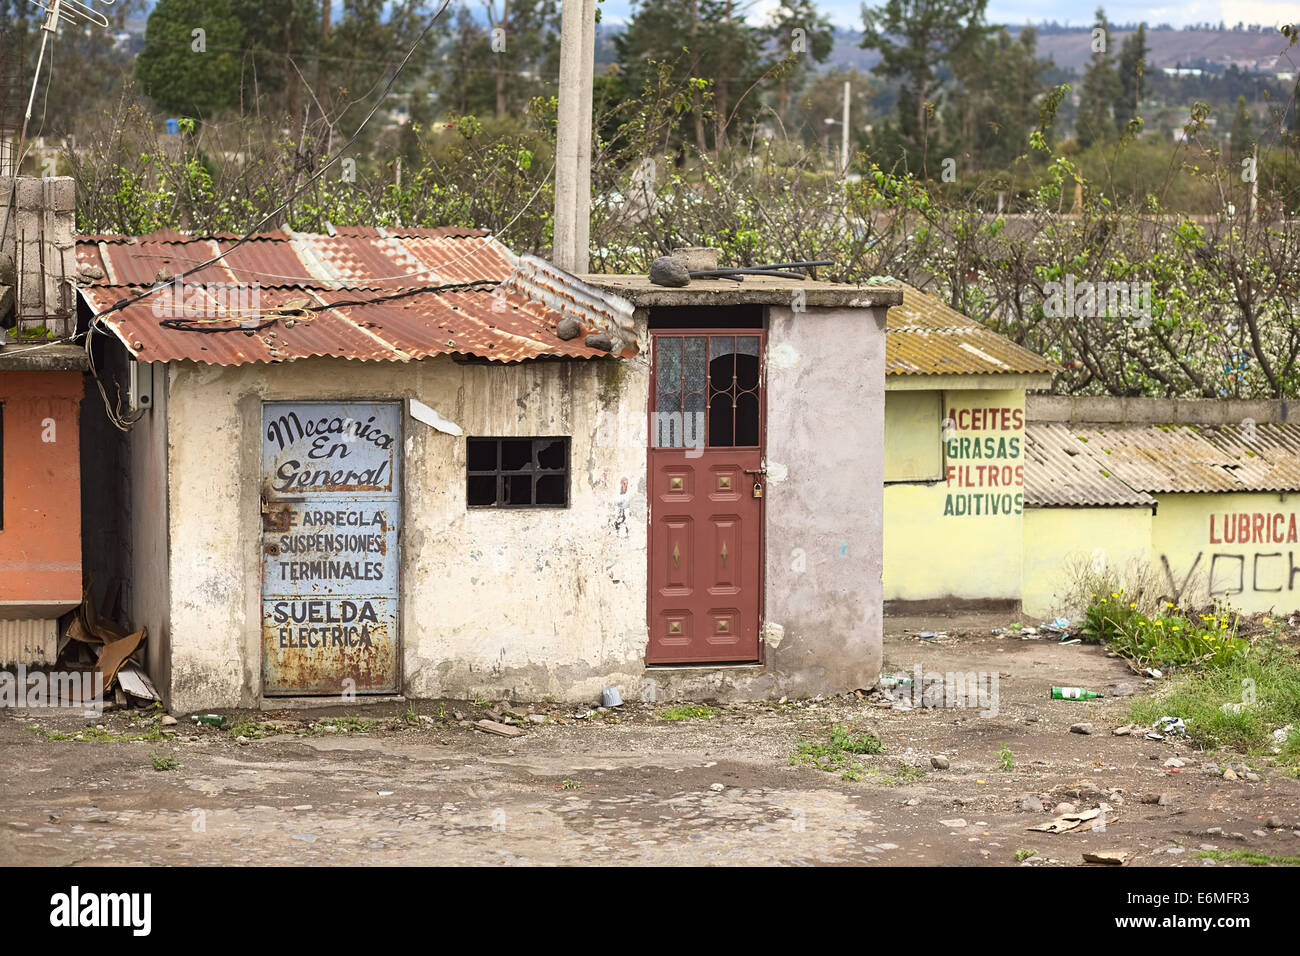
{"x":1268,"y":12}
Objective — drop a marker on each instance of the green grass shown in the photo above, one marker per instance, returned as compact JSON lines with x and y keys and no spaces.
{"x":351,"y":724}
{"x":689,"y":712}
{"x":1165,"y":637}
{"x":252,"y":730}
{"x":904,"y":776}
{"x":1272,"y":678}
{"x":1025,"y":853}
{"x":1248,"y":856}
{"x":95,"y":735}
{"x":163,"y":762}
{"x":1006,"y":759}
{"x":570,"y":785}
{"x":833,"y":754}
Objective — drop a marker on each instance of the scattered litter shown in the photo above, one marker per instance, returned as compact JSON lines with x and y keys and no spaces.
{"x":1108,"y":857}
{"x":1170,"y":726}
{"x":610,"y":697}
{"x":1073,"y":640}
{"x":1029,"y":632}
{"x":501,"y":730}
{"x":1074,"y":693}
{"x":1060,"y":622}
{"x":927,"y":635}
{"x":1279,"y":737}
{"x":1081,"y":821}
{"x":385,"y":793}
{"x":214,"y":720}
{"x":717,"y":787}
{"x":890,"y":681}
{"x":1155,"y":672}
{"x":998,"y":630}
{"x":136,"y":682}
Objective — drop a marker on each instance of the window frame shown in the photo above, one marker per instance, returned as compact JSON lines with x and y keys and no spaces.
{"x":533,"y":471}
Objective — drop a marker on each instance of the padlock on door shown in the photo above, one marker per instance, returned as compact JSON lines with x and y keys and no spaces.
{"x":758,"y":490}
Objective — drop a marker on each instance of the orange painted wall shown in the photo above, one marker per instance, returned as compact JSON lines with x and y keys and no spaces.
{"x":40,"y":543}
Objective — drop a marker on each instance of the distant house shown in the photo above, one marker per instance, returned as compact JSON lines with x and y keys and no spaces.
{"x":1199,"y":493}
{"x":41,"y":390}
{"x":404,"y":461}
{"x":954,"y":455}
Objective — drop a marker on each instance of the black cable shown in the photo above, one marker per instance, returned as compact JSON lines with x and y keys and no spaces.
{"x":208,"y":326}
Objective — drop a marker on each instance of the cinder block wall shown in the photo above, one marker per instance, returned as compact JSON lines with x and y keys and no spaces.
{"x":39,"y":245}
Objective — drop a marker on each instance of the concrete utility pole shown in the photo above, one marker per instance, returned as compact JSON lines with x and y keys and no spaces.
{"x":844,"y":132}
{"x":573,"y":136}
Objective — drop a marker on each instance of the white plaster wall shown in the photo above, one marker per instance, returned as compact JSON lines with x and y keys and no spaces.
{"x":529,"y":602}
{"x":825,"y":439}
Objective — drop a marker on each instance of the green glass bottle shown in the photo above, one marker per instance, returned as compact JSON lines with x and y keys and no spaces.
{"x":1073,"y":693}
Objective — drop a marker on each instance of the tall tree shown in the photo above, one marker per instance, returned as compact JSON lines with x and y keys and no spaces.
{"x":522,"y":30}
{"x":697,"y":40}
{"x":185,"y":70}
{"x":1243,"y":132}
{"x":914,"y":37}
{"x":1132,"y":65}
{"x":995,"y":106}
{"x":1099,"y":89}
{"x":797,"y":31}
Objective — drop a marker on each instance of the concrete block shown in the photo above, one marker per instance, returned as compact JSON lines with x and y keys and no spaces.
{"x":60,"y":193}
{"x":31,"y":193}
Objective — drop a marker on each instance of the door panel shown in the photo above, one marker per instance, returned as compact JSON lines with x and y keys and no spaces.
{"x":330,"y":518}
{"x":706,"y":525}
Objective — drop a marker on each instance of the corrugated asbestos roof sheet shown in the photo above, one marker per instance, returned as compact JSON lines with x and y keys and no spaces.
{"x":510,"y":322}
{"x":1059,"y":471}
{"x":1092,"y":464}
{"x":926,"y":337}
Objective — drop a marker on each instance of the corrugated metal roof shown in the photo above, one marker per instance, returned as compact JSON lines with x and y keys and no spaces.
{"x":398,"y":321}
{"x":1059,"y":471}
{"x":1156,"y":459}
{"x":926,"y":337}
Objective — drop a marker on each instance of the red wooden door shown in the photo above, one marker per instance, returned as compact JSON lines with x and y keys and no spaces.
{"x":706,"y":522}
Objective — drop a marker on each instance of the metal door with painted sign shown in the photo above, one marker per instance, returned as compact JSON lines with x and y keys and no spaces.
{"x":330,"y":514}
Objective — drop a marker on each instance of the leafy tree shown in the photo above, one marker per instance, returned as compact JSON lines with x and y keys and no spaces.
{"x":187,"y":74}
{"x":1132,"y":64}
{"x":709,"y":49}
{"x":797,"y":32}
{"x":914,"y":38}
{"x":995,"y":106}
{"x":464,"y":86}
{"x":1243,"y":132}
{"x":1099,"y":90}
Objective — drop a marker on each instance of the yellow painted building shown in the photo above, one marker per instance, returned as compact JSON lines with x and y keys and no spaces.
{"x":1197,"y":512}
{"x":985,"y":501}
{"x":954,"y":454}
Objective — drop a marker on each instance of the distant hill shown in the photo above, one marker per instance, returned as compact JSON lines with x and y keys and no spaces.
{"x":1214,"y":50}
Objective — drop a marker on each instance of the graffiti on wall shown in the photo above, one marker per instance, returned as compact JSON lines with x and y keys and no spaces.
{"x":1241,"y":556}
{"x":983,"y":467}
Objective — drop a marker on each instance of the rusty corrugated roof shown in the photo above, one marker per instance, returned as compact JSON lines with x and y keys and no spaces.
{"x":399,"y":320}
{"x":1156,"y":459}
{"x":1059,"y":471}
{"x":926,"y":337}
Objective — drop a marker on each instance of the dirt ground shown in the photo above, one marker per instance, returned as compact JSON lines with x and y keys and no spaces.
{"x":625,"y":787}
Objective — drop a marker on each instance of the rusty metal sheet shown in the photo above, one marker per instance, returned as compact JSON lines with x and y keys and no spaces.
{"x":506,"y":328}
{"x":1061,"y":472}
{"x":331,"y":518}
{"x":511,"y":323}
{"x":926,"y":337}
